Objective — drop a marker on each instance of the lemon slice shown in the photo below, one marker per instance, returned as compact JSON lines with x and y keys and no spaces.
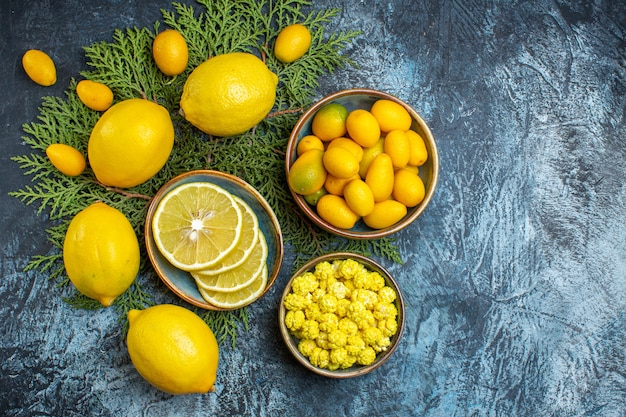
{"x":249,"y":238}
{"x":239,"y":298}
{"x":239,"y":277}
{"x":196,"y":225}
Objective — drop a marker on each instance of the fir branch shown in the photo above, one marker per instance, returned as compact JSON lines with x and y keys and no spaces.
{"x":135,"y":298}
{"x":125,"y":64}
{"x":46,"y":263}
{"x":226,"y":324}
{"x":78,"y":300}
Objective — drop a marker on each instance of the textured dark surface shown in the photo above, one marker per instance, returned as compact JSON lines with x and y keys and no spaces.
{"x":515,"y":277}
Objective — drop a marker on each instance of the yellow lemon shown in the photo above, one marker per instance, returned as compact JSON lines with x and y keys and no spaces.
{"x":309,"y":142}
{"x":362,"y":127}
{"x":396,"y":145}
{"x":359,"y":197}
{"x":418,"y":152}
{"x":170,"y":52}
{"x":101,"y":253}
{"x":66,"y":159}
{"x":39,"y":67}
{"x":408,"y":188}
{"x":228,"y":94}
{"x":369,"y":154}
{"x":385,"y":214}
{"x":348,"y":144}
{"x":330,"y":122}
{"x":196,"y":225}
{"x":292,"y":42}
{"x":340,"y":162}
{"x":334,"y":209}
{"x":380,"y":176}
{"x":173,"y":349}
{"x":95,"y":95}
{"x":307,"y":174}
{"x":391,"y":115}
{"x":130,"y":143}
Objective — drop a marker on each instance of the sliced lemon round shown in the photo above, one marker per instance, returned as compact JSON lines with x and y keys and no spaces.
{"x":239,"y":298}
{"x":196,"y":225}
{"x":249,"y":238}
{"x":239,"y":277}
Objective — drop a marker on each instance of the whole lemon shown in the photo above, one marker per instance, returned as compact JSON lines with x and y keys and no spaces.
{"x":173,"y":349}
{"x":130,"y":143}
{"x":228,"y":94}
{"x":101,"y":252}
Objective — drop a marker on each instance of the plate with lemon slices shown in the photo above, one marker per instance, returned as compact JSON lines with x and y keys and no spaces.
{"x":213,"y":240}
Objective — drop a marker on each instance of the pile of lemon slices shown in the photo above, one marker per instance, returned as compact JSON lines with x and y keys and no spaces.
{"x":213,"y":234}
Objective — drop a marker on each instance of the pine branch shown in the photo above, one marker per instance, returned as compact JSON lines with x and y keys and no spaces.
{"x":125,"y":64}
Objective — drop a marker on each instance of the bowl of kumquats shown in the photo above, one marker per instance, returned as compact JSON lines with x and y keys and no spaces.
{"x":362,"y":164}
{"x":342,"y":315}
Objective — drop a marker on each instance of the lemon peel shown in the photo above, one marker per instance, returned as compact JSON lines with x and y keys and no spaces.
{"x":173,"y":349}
{"x":228,"y":94}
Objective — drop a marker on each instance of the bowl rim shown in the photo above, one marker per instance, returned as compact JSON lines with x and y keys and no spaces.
{"x":373,"y":233}
{"x":169,"y":186}
{"x":355,"y":370}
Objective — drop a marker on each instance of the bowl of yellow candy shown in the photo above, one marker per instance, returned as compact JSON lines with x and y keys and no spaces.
{"x":362,"y":164}
{"x":342,"y":315}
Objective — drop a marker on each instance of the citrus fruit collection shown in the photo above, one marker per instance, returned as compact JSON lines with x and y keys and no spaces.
{"x":360,"y":164}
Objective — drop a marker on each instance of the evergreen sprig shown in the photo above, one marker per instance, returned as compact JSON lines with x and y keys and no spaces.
{"x":257,"y":156}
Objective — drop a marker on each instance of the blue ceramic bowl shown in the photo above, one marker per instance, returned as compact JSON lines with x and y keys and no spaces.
{"x":363,"y":99}
{"x":181,"y":282}
{"x":357,"y":370}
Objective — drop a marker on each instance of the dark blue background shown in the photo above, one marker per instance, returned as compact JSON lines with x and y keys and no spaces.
{"x":515,"y":276}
